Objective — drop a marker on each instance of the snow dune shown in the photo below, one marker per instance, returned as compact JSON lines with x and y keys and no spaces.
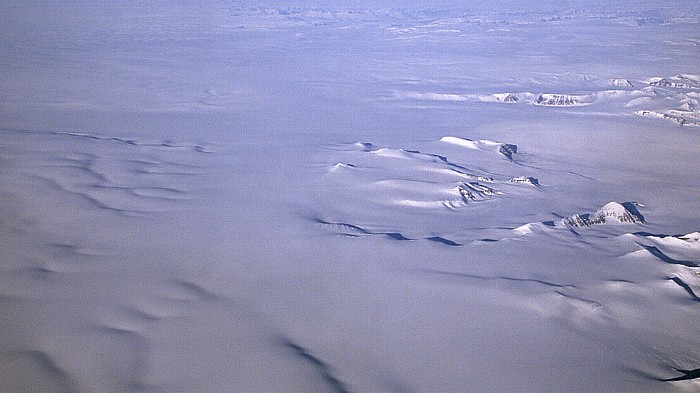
{"x":184,"y":206}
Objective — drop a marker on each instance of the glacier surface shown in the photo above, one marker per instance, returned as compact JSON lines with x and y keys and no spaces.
{"x":368,"y":197}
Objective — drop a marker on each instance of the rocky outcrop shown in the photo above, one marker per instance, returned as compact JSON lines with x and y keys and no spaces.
{"x":619,"y":82}
{"x":472,"y":191}
{"x":508,"y":150}
{"x":527,"y":180}
{"x":663,"y":82}
{"x":616,"y":212}
{"x":563,"y":100}
{"x":611,"y":213}
{"x":684,"y":120}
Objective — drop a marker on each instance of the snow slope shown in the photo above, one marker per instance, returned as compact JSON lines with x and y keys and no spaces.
{"x":185,"y":206}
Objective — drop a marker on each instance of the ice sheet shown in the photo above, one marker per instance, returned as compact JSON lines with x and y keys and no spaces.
{"x":369,"y":197}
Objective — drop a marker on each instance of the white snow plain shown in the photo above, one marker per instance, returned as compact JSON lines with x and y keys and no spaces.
{"x":277,"y":197}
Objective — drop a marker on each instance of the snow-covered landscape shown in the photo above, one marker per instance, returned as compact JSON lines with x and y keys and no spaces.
{"x":368,"y":197}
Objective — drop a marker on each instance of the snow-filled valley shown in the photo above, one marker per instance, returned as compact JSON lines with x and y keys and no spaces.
{"x":278,"y":197}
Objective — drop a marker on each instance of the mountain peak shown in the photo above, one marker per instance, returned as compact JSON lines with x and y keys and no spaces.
{"x":611,"y":213}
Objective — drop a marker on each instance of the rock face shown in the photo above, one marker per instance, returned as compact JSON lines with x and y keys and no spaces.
{"x":563,"y":100}
{"x":611,"y":213}
{"x":688,"y":106}
{"x":466,"y":194}
{"x":508,"y":150}
{"x":674,"y":84}
{"x":676,"y":118}
{"x":471,"y":191}
{"x":577,"y":221}
{"x":480,"y":188}
{"x":619,"y":82}
{"x":507,"y":97}
{"x":528,"y":180}
{"x":616,"y":212}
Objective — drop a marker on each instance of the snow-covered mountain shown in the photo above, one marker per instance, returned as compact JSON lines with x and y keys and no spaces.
{"x":611,"y":213}
{"x":563,"y":100}
{"x":184,"y":206}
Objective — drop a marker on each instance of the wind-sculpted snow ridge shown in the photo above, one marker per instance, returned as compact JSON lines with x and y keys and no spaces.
{"x":680,"y":256}
{"x":506,"y":149}
{"x":58,"y":379}
{"x":159,"y":145}
{"x":120,"y":175}
{"x":205,"y":223}
{"x":324,"y":370}
{"x":682,"y":82}
{"x":432,"y":96}
{"x":682,"y":90}
{"x":678,"y":117}
{"x":469,"y":189}
{"x":611,"y":213}
{"x":458,"y":196}
{"x":663,"y":82}
{"x":507,"y":97}
{"x":693,"y":237}
{"x":677,"y":250}
{"x":686,"y":287}
{"x":541,"y":99}
{"x":458,"y":176}
{"x":621,"y":82}
{"x":356,"y":231}
{"x":352,"y":230}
